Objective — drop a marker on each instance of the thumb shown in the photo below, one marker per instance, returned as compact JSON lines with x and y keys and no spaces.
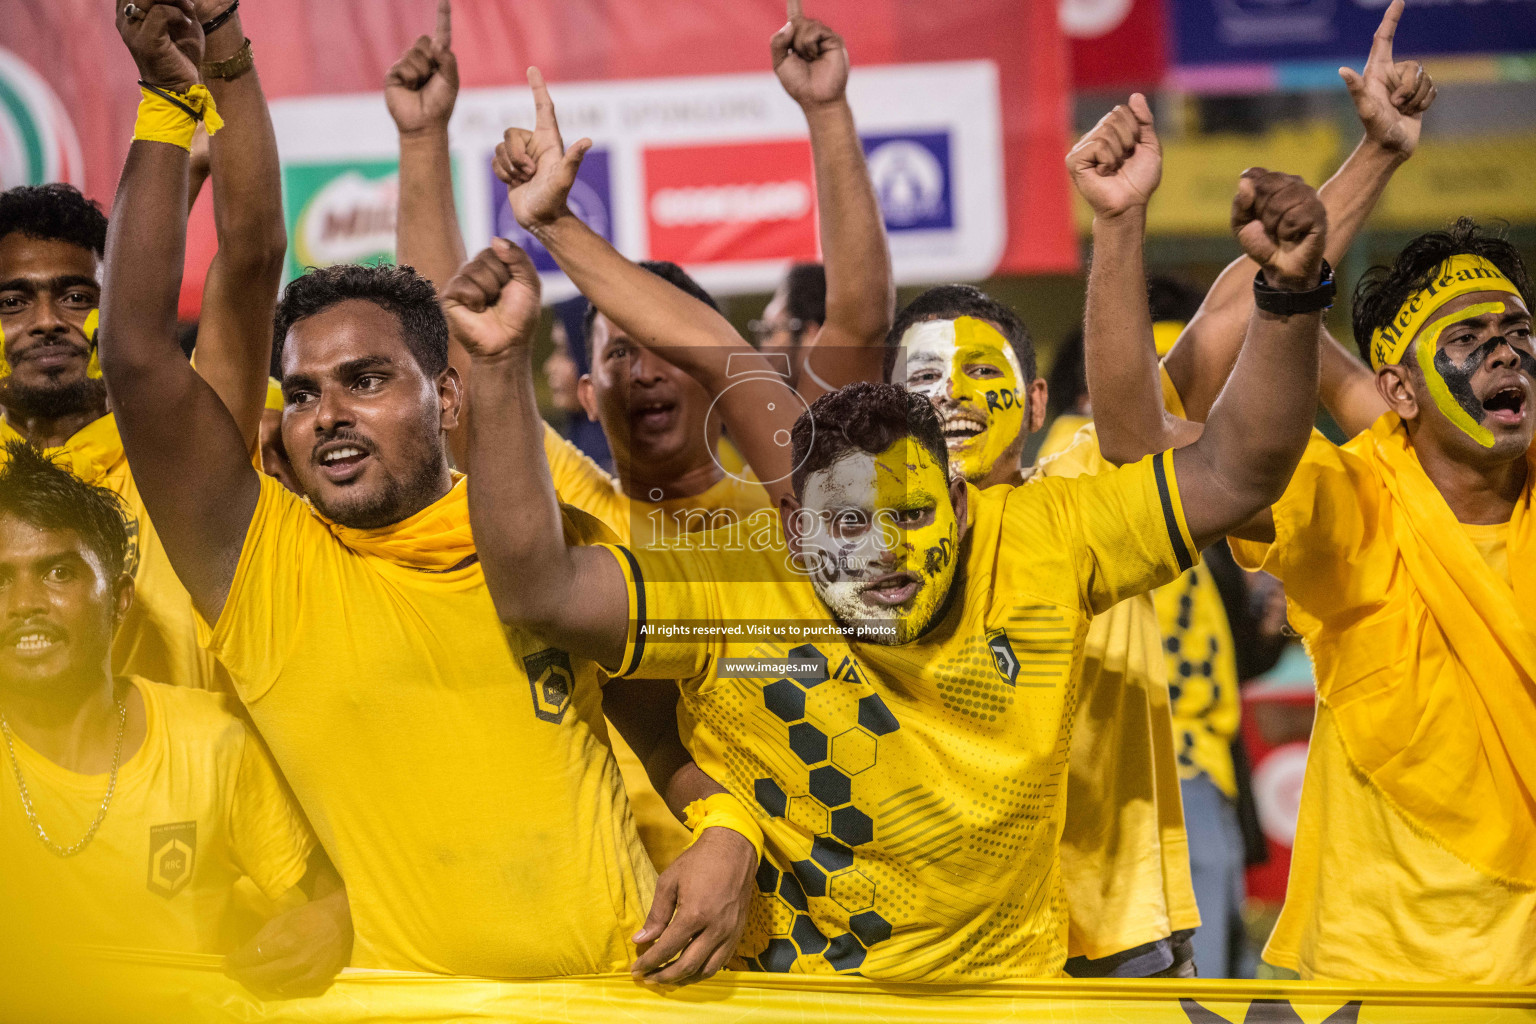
{"x":661,"y":909}
{"x":1352,"y":80}
{"x":778,"y":46}
{"x":576,"y":153}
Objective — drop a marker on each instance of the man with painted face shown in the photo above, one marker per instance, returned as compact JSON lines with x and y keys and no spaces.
{"x":110,"y":777}
{"x":915,"y":607}
{"x":439,"y":757}
{"x":51,"y":392}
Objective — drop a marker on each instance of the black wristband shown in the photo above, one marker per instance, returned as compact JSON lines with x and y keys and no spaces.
{"x":217,"y":21}
{"x":1286,"y":303}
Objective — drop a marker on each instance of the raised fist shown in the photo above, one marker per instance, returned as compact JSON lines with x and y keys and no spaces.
{"x":423,"y":84}
{"x":536,"y":167}
{"x":166,"y":41}
{"x":1281,"y":224}
{"x":810,"y":60}
{"x":1117,"y":166}
{"x":1390,"y":97}
{"x":492,"y":303}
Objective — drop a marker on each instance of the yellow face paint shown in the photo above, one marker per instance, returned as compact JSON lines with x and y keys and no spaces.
{"x":970,"y":373}
{"x":92,"y":370}
{"x":881,"y":540}
{"x":1454,"y":397}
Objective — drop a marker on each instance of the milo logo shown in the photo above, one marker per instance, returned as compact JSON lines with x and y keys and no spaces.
{"x":340,"y":213}
{"x":38,"y":143}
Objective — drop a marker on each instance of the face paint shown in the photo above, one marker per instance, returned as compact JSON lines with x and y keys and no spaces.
{"x":970,"y":373}
{"x":882,"y":546}
{"x":92,"y":370}
{"x":1450,"y":383}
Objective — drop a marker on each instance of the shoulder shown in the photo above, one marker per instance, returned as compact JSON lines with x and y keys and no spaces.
{"x":191,"y":716}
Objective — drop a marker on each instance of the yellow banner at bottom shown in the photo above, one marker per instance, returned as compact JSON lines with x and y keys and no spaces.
{"x":147,"y":987}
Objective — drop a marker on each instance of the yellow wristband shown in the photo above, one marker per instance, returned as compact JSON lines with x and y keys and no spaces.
{"x":161,"y":120}
{"x":723,"y":811}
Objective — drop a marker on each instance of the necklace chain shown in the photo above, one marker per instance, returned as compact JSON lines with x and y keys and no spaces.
{"x":106,"y":801}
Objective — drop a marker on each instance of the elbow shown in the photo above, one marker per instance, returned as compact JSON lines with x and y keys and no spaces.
{"x":1124,"y":451}
{"x":255,"y":252}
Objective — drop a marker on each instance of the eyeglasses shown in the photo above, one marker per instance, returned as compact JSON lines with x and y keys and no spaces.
{"x":762,"y":330}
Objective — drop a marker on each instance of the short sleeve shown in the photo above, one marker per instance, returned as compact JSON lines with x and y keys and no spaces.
{"x":269,"y":835}
{"x":1127,"y":528}
{"x":254,"y":631}
{"x":580,"y":482}
{"x":675,"y":609}
{"x":1324,"y":533}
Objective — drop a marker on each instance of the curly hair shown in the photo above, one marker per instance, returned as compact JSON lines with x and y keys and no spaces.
{"x":864,"y":417}
{"x":55,"y":212}
{"x":1383,"y":290}
{"x":950,"y":301}
{"x":43,"y":494}
{"x":397,"y":289}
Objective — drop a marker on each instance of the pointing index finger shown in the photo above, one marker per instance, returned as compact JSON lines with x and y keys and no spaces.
{"x":544,"y":107}
{"x":795,"y":9}
{"x":1386,"y":32}
{"x":444,"y":35}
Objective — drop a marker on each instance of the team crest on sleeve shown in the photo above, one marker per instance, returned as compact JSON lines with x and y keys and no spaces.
{"x":1002,"y":655}
{"x":172,"y":856}
{"x":551,"y":680}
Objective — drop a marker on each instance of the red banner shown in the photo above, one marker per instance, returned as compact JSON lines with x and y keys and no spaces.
{"x":1116,"y":44}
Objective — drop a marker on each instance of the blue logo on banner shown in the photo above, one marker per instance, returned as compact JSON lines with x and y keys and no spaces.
{"x":591,"y":200}
{"x":912,"y":180}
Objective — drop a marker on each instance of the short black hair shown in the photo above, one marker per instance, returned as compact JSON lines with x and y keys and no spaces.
{"x":55,"y":212}
{"x":951,"y":301}
{"x":867,"y":417}
{"x":1383,"y":290}
{"x":661,"y":268}
{"x":43,"y":494}
{"x":805,"y":293}
{"x":395,"y":288}
{"x":1169,"y":298}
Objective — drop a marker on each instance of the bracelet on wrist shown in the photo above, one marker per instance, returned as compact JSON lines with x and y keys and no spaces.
{"x":1282,"y":302}
{"x":215,"y":23}
{"x":230,"y":67}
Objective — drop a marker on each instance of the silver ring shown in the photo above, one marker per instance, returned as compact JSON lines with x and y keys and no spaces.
{"x":132,"y":12}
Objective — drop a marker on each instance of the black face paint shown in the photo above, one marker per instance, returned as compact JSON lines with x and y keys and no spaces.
{"x":1458,"y":376}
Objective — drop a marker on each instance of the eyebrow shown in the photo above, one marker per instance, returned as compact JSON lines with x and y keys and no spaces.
{"x":27,"y":284}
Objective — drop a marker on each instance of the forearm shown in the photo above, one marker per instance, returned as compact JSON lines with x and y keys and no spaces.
{"x":427,"y":234}
{"x":861,"y":291}
{"x":1257,"y":430}
{"x":1119,"y":354}
{"x":146,"y":245}
{"x":1352,"y":193}
{"x":235,"y":336}
{"x":687,"y":784}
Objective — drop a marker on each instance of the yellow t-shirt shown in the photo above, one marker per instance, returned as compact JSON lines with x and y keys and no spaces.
{"x":1492,"y":542}
{"x":1370,"y":898}
{"x":582,"y":483}
{"x":1124,"y":851}
{"x":158,"y":639}
{"x":1202,"y":677}
{"x":912,"y":797}
{"x":197,"y":807}
{"x":476,"y":816}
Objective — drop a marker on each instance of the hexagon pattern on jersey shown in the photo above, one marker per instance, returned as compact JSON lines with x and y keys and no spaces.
{"x":821,"y":806}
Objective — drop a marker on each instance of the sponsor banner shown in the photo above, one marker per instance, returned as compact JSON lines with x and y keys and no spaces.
{"x":161,"y":987}
{"x":1241,"y":31}
{"x":714,"y":173}
{"x":340,"y":212}
{"x":1116,"y":44}
{"x":37,"y":137}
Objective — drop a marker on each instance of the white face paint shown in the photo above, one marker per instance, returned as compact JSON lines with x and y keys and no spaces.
{"x":879,"y":538}
{"x":971,"y":374}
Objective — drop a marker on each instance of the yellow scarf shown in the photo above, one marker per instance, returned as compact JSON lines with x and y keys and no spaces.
{"x":90,"y":454}
{"x":433,"y":540}
{"x":1452,"y":743}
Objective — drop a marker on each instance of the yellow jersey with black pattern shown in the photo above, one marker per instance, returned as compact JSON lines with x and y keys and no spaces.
{"x":911,"y":796}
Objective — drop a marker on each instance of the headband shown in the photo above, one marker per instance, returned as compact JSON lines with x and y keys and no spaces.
{"x":1459,"y":275}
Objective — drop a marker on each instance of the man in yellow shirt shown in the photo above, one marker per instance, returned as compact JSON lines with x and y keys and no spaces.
{"x":925,"y":606}
{"x":51,"y":393}
{"x":130,"y":808}
{"x":439,"y":758}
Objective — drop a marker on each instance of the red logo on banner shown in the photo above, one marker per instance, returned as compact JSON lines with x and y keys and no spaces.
{"x":737,"y":201}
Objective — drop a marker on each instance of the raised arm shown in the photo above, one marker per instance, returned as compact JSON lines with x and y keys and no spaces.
{"x":188,"y":457}
{"x":1116,"y":167}
{"x":234,"y":336}
{"x":572,"y":597}
{"x":1390,"y":98}
{"x":539,"y":171}
{"x":1258,"y":428}
{"x":812,"y":64}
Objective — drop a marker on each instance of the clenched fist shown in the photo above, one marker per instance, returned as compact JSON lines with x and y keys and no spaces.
{"x":1117,"y":166}
{"x":166,"y":42}
{"x":810,"y":60}
{"x":1281,"y":224}
{"x":492,"y":303}
{"x":423,"y":84}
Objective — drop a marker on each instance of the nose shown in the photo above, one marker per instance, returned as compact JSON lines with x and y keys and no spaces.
{"x":1503,"y":354}
{"x":332,"y":409}
{"x":645,"y":368}
{"x":47,"y":318}
{"x":23,"y":598}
